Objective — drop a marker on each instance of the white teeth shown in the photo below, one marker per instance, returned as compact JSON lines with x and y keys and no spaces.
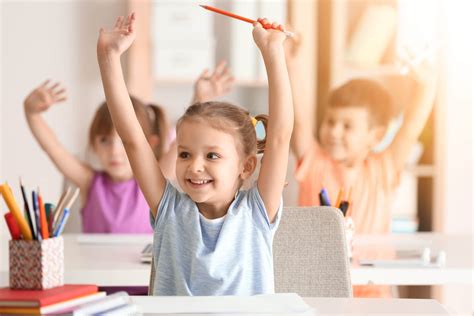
{"x":199,"y":181}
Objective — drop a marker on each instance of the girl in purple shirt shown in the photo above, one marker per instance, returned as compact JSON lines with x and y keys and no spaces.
{"x":112,"y":202}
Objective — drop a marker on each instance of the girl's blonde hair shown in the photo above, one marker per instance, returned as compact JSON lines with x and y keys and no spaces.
{"x":232,"y":119}
{"x":151,"y":117}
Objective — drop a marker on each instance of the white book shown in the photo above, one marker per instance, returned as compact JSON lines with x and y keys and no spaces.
{"x":127,"y":309}
{"x":104,"y":304}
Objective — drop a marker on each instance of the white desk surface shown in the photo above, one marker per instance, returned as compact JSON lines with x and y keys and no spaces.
{"x":338,"y":306}
{"x":114,"y":260}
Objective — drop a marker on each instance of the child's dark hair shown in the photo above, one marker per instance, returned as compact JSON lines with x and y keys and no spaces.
{"x":364,"y":93}
{"x":151,"y":117}
{"x":229,"y":118}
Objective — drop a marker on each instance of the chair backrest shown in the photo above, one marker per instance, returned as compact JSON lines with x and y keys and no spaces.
{"x":310,"y":254}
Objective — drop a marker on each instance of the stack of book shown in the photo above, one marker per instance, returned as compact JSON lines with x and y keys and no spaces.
{"x":65,"y":300}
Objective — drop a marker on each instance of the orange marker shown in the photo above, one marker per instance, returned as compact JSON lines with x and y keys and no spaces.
{"x":15,"y":210}
{"x":235,"y":16}
{"x":43,"y":219}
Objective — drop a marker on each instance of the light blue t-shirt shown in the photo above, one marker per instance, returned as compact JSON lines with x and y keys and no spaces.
{"x":231,"y":255}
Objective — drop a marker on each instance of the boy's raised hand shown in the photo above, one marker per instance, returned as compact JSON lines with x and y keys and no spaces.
{"x":120,"y":38}
{"x":268,"y":35}
{"x":41,"y":98}
{"x":422,"y":69}
{"x":211,"y":86}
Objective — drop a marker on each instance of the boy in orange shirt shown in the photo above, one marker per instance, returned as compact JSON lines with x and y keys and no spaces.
{"x":356,"y":119}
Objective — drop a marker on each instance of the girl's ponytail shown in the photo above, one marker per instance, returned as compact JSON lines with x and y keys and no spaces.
{"x":261,"y":142}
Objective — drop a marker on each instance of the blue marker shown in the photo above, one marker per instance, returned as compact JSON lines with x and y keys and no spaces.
{"x":324,"y":198}
{"x":37,"y":217}
{"x":62,"y":223}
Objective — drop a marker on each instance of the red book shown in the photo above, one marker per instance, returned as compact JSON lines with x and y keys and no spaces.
{"x":36,"y":298}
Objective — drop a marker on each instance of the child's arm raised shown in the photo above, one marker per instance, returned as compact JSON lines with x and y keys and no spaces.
{"x":38,"y":101}
{"x":416,"y":114}
{"x":110,"y":46}
{"x":271,"y":179}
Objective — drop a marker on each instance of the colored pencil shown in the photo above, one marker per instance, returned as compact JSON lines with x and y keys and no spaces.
{"x":235,"y":16}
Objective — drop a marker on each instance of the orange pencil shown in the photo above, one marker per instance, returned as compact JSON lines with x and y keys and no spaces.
{"x":229,"y":14}
{"x":339,"y":197}
{"x":43,"y":219}
{"x":235,"y":16}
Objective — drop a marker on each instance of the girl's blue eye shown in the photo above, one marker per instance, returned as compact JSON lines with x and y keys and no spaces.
{"x":212,"y":156}
{"x":183,"y":155}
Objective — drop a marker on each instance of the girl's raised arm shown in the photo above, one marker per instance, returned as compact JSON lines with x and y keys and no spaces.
{"x":280,"y":122}
{"x":110,"y":46}
{"x":38,"y":101}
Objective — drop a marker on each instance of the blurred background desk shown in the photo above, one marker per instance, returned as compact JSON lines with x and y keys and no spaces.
{"x":459,"y":268}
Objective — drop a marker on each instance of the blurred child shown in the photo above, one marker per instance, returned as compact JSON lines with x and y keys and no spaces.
{"x":111,"y":200}
{"x":213,"y":239}
{"x":356,"y":118}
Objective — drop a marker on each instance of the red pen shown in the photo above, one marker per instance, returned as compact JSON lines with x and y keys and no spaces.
{"x":13,"y":226}
{"x":235,"y":16}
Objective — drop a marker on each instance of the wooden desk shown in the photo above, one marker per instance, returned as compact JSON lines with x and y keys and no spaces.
{"x":114,"y":260}
{"x":337,"y":306}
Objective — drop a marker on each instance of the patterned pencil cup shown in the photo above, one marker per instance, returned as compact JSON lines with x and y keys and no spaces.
{"x":36,"y":265}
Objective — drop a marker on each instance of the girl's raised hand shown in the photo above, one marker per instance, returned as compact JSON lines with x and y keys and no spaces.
{"x":267,"y":35}
{"x":120,"y":38}
{"x":41,"y":98}
{"x":208,"y":86}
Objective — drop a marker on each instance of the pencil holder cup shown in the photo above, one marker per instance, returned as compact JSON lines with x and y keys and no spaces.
{"x":35,"y":264}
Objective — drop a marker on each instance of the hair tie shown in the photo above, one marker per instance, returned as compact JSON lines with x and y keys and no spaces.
{"x":254,"y":121}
